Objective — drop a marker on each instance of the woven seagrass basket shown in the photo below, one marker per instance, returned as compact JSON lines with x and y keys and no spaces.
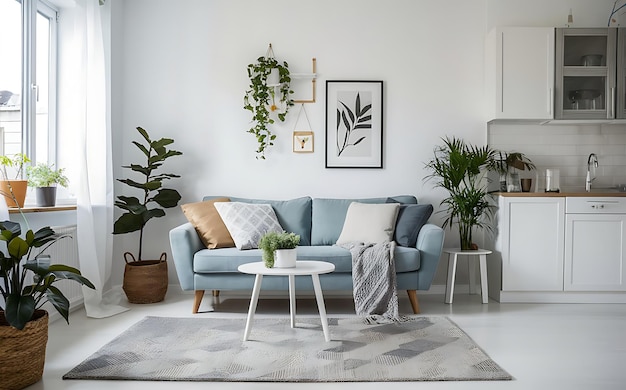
{"x":145,"y":281}
{"x":23,"y":352}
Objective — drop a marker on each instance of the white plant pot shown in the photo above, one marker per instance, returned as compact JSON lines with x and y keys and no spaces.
{"x":285,"y":258}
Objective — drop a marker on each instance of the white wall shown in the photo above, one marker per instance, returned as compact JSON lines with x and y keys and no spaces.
{"x":179,"y":70}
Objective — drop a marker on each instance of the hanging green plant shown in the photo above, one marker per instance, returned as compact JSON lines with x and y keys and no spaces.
{"x":261,"y":98}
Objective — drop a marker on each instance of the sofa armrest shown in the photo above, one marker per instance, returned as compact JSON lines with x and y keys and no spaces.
{"x":185,"y":243}
{"x":430,"y":245}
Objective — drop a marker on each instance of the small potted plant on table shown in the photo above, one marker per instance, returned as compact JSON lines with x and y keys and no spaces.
{"x":279,"y":249}
{"x":45,"y":179}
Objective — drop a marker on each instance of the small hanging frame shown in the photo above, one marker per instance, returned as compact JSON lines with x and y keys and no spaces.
{"x":303,"y":140}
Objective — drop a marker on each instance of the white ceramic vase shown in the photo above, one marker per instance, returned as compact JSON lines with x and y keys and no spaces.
{"x":285,"y":258}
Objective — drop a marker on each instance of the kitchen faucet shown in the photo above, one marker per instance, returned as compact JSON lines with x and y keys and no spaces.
{"x":592,"y":160}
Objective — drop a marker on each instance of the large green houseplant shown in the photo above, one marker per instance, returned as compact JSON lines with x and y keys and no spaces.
{"x":145,"y":281}
{"x":27,"y":281}
{"x":461,"y":169}
{"x":261,"y":99}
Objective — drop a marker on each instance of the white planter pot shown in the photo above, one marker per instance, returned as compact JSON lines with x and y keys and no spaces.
{"x":285,"y":258}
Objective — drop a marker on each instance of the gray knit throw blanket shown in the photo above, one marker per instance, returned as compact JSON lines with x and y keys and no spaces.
{"x":374,"y":281}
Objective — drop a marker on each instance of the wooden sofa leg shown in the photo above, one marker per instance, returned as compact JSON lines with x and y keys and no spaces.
{"x":413,"y":299}
{"x":197,"y":301}
{"x":216,"y":293}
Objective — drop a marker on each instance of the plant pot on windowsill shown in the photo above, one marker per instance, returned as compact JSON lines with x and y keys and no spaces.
{"x":46,"y":196}
{"x":14,"y":191}
{"x":45,"y":179}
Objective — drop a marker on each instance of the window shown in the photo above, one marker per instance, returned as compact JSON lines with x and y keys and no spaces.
{"x":28,"y":43}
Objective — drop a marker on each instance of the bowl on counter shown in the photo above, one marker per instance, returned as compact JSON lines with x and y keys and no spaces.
{"x":585,"y":99}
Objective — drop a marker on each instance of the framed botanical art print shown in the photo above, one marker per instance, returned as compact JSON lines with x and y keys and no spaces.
{"x":354,"y":124}
{"x":303,"y":142}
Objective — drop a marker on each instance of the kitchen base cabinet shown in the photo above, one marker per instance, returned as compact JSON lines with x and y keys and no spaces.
{"x":541,"y":253}
{"x":595,"y":245}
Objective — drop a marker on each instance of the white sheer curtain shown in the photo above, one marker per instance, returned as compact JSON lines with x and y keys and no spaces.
{"x":95,"y":185}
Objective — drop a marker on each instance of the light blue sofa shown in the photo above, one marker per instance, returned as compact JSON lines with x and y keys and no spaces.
{"x":319,"y":222}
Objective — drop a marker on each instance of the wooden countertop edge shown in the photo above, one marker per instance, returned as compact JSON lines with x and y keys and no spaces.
{"x":562,"y":194}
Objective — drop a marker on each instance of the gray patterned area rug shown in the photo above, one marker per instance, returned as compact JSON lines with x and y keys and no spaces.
{"x":211,"y":349}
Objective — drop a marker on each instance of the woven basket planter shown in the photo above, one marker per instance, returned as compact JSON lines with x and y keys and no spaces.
{"x":23,"y":352}
{"x":145,"y":281}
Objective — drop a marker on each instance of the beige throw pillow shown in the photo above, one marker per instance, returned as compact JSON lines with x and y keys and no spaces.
{"x":208,"y":223}
{"x":369,"y":223}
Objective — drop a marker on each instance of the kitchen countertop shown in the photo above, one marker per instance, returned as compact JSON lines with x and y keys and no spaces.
{"x":592,"y":194}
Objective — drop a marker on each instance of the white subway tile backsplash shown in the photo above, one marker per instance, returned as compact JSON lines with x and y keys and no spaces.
{"x":567,"y":148}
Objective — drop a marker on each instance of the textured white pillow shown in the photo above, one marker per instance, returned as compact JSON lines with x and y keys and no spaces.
{"x":247,"y":222}
{"x":369,"y":223}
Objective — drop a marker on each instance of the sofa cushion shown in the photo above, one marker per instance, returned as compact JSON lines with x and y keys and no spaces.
{"x":369,"y":223}
{"x":294,"y":215}
{"x":208,"y":223}
{"x":411,"y":218}
{"x":328,"y":216}
{"x":247,"y":223}
{"x":226,"y":260}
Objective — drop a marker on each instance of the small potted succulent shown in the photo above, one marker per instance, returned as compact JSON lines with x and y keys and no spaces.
{"x":279,"y":249}
{"x":13,"y":187}
{"x":44,"y":178}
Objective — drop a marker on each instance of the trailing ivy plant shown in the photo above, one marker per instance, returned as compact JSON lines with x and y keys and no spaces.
{"x":260,"y":99}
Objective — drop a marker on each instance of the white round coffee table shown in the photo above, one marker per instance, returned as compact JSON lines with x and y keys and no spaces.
{"x":303,"y":267}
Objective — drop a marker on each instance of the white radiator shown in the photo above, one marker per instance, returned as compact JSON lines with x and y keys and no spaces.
{"x":65,"y":251}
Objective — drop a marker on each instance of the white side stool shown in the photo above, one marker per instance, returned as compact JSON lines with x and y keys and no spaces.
{"x":453,"y":254}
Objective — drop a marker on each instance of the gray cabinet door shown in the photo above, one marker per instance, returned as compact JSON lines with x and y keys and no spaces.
{"x":586,"y":64}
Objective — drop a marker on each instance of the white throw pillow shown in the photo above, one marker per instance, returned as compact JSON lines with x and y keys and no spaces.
{"x":369,"y":223}
{"x":247,"y":222}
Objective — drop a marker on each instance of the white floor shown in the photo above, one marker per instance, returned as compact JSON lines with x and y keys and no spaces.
{"x":549,"y":346}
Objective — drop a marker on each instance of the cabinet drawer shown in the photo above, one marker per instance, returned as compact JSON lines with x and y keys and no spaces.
{"x":595,"y":205}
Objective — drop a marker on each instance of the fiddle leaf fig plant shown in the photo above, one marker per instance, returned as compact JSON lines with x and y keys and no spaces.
{"x":154,"y":197}
{"x":261,"y":99}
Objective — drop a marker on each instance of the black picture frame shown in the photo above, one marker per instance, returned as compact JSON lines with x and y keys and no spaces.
{"x":354,"y":124}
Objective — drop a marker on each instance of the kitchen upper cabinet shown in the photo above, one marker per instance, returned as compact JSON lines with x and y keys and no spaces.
{"x":586,"y":63}
{"x":520,"y":72}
